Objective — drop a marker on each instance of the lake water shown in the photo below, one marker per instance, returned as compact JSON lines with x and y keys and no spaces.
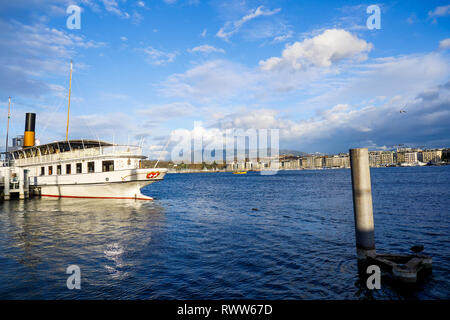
{"x":200,"y":238}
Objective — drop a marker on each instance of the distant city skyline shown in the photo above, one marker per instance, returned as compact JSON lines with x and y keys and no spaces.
{"x":144,"y":69}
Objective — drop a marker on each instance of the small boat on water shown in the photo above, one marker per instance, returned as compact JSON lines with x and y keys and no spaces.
{"x":240,"y":172}
{"x":413,"y":164}
{"x":81,"y":168}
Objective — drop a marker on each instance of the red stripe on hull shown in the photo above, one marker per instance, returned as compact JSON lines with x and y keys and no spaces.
{"x":80,"y":197}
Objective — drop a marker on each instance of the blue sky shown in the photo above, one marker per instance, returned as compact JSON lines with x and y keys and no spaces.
{"x":147,"y":69}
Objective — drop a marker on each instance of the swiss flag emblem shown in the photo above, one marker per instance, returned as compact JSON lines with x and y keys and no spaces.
{"x":152,"y":174}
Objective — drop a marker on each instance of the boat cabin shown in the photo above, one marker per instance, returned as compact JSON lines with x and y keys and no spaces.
{"x":77,"y":157}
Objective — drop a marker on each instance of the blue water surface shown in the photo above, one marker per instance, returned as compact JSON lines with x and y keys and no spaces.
{"x":202,"y":238}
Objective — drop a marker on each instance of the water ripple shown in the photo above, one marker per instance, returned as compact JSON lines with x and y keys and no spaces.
{"x":202,"y":239}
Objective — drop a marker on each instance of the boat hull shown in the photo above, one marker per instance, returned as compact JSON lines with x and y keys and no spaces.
{"x":124,"y":184}
{"x":119,"y":190}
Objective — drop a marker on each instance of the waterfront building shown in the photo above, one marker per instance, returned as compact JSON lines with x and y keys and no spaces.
{"x":290,"y":164}
{"x":374,"y":158}
{"x":303,"y":163}
{"x":285,"y":165}
{"x":431,"y":155}
{"x":400,"y":157}
{"x":231,"y":166}
{"x":295,"y":164}
{"x":387,"y":158}
{"x":318,"y":162}
{"x":328,"y":161}
{"x":410,"y":157}
{"x":310,"y":162}
{"x":345,"y":160}
{"x":335,"y":162}
{"x":446,"y":155}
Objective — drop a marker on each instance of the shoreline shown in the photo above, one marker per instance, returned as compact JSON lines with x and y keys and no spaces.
{"x":171,"y":171}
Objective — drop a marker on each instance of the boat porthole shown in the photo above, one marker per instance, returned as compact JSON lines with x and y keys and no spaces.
{"x":107,"y":179}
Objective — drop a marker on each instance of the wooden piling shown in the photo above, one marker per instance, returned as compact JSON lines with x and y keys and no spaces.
{"x":362,"y":202}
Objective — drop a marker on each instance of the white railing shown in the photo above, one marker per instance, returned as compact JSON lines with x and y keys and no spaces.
{"x":81,"y":153}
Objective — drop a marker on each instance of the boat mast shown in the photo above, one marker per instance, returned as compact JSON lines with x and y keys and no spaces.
{"x":7,"y":126}
{"x":68,"y":108}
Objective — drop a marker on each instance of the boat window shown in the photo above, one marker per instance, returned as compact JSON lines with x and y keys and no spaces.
{"x":68,"y":168}
{"x":50,"y":170}
{"x":108,"y":165}
{"x":42,"y":171}
{"x":58,"y":169}
{"x":91,"y":166}
{"x":79,"y":168}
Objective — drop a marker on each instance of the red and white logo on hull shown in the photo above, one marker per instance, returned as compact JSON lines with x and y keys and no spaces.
{"x":152,"y":175}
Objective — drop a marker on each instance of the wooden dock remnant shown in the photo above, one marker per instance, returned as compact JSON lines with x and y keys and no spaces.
{"x":14,"y":180}
{"x":403,"y":267}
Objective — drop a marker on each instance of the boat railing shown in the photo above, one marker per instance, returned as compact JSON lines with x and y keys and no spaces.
{"x":115,"y":150}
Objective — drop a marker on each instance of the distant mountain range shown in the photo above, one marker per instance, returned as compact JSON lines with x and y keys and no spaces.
{"x":201,"y":154}
{"x":292,"y":152}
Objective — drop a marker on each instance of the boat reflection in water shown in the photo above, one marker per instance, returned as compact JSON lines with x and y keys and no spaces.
{"x":106,"y":239}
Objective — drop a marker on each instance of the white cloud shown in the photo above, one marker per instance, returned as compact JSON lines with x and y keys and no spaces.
{"x":440,"y":11}
{"x":403,"y":75}
{"x":323,"y":50}
{"x":141,"y":4}
{"x":124,"y":38}
{"x":214,"y":80}
{"x":353,"y":126}
{"x":232,"y":27}
{"x":168,"y":111}
{"x":248,"y":119}
{"x":136,"y":17}
{"x":203,"y":34}
{"x":157,"y":57}
{"x":206,"y":49}
{"x":274,"y":30}
{"x":412,"y":18}
{"x":284,"y":36}
{"x":444,"y":44}
{"x":30,"y":53}
{"x":112,"y":6}
{"x":400,"y":77}
{"x":222,"y":82}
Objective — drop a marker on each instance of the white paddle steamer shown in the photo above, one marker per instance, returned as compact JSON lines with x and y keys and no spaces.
{"x":86,"y":169}
{"x":82,"y":168}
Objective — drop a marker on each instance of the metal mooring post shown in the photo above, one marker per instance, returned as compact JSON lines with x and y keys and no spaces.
{"x":7,"y":180}
{"x":362,"y":202}
{"x":21,"y":184}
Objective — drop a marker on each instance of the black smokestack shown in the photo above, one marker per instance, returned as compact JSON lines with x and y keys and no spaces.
{"x":30,"y":123}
